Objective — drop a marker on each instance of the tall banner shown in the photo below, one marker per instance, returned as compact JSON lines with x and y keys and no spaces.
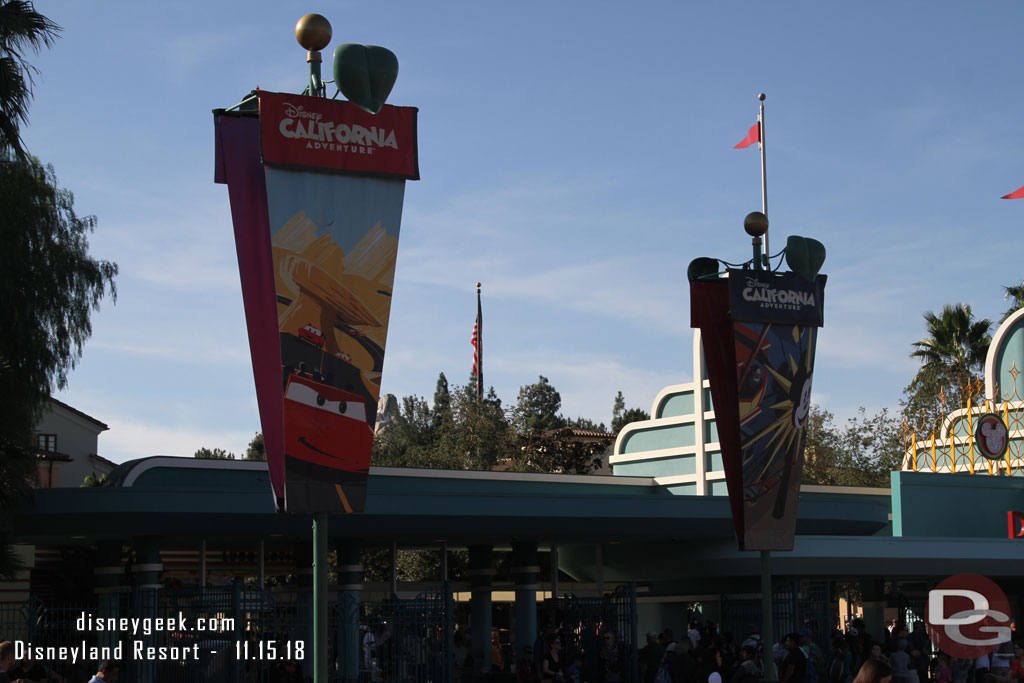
{"x":316,"y":189}
{"x":759,"y":330}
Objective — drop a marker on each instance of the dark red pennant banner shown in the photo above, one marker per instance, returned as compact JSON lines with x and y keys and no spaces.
{"x":316,"y":190}
{"x":759,"y":330}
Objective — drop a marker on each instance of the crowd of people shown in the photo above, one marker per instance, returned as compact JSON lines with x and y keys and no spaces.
{"x":700,"y":655}
{"x":27,"y":670}
{"x":705,"y":655}
{"x":907,"y":656}
{"x":592,"y":654}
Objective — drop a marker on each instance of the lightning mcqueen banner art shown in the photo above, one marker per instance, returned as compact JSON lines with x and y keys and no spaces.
{"x":316,"y":190}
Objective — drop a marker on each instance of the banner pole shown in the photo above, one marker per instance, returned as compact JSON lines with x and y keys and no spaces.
{"x":767,"y":637}
{"x":320,"y":597}
{"x":764,"y":172}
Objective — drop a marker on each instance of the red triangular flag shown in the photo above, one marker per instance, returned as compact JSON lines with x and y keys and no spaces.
{"x":1016,"y":194}
{"x":753,"y":135}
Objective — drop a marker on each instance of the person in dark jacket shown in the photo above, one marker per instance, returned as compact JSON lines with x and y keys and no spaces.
{"x":794,"y":666}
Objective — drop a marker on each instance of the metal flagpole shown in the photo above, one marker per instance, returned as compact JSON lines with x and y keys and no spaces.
{"x":764,"y":173}
{"x":479,"y":347}
{"x":768,"y":673}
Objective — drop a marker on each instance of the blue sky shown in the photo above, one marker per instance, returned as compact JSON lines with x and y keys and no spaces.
{"x":575,"y":157}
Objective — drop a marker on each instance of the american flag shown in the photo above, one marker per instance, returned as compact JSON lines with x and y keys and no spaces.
{"x":478,"y":347}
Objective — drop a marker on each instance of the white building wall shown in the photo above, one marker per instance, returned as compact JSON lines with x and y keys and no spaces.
{"x":78,"y":437}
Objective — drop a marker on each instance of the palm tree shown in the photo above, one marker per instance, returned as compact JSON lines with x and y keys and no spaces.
{"x":1014,"y":293}
{"x":21,"y":27}
{"x":956,"y":345}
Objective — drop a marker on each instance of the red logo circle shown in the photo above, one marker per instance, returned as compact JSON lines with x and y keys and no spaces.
{"x":968,"y":616}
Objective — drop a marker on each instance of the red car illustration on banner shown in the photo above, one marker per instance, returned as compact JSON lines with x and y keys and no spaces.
{"x":313,"y":335}
{"x":324,"y":425}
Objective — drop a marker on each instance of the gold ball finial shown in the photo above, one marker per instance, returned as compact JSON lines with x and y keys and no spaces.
{"x":313,"y":32}
{"x":478,"y":285}
{"x":755,"y":224}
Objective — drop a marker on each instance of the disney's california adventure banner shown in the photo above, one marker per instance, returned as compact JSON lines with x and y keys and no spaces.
{"x":759,"y":330}
{"x":316,"y":189}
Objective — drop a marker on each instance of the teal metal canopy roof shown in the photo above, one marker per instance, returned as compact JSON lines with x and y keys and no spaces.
{"x":185,"y":499}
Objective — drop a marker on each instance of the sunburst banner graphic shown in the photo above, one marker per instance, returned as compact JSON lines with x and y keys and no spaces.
{"x":759,"y":331}
{"x":316,"y":191}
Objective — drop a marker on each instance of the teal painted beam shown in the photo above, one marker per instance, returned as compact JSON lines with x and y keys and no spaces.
{"x":953,"y":505}
{"x":812,"y":556}
{"x":896,"y":488}
{"x":409,"y":505}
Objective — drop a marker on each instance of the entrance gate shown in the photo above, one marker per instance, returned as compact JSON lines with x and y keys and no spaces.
{"x":584,"y":621}
{"x":407,"y":641}
{"x":795,"y":605}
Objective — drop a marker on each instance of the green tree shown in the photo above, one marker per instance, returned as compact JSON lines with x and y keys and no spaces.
{"x":628,"y":417}
{"x":413,"y":564}
{"x":482,"y":436}
{"x":408,"y":440}
{"x":442,"y":401}
{"x":17,"y":457}
{"x":93,"y":480}
{"x":874,"y":446}
{"x":49,"y":282}
{"x":822,"y":450}
{"x":1015,"y":293}
{"x":927,"y":400}
{"x":587,"y":424}
{"x":256,"y":449}
{"x":459,"y":432}
{"x":953,"y":355}
{"x":462,"y":432}
{"x":622,"y":417}
{"x":561,"y":450}
{"x":861,"y":453}
{"x":955,"y":340}
{"x":213,"y":454}
{"x":21,"y":29}
{"x":546,"y":442}
{"x":538,"y":406}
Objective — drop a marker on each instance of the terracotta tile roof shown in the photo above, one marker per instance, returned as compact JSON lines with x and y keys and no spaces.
{"x":592,"y":433}
{"x":53,"y":456}
{"x":581,"y":433}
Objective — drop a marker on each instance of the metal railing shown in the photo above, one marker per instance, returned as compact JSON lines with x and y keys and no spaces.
{"x":948,"y":446}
